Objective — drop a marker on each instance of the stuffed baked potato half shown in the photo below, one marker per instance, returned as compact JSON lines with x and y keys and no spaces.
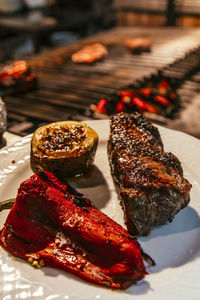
{"x":66,"y":148}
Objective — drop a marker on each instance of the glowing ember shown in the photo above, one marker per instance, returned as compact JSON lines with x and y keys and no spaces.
{"x":155,"y":98}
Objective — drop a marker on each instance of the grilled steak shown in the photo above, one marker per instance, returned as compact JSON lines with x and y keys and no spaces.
{"x":152,"y":186}
{"x":51,"y":224}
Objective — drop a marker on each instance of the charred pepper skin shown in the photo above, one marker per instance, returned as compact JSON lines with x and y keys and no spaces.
{"x":64,"y":230}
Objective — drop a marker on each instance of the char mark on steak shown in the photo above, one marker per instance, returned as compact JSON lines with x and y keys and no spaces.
{"x":152,"y":186}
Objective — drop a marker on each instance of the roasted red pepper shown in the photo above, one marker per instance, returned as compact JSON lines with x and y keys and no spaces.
{"x":51,"y":224}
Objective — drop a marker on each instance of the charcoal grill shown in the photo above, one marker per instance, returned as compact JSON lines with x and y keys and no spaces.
{"x":67,"y":90}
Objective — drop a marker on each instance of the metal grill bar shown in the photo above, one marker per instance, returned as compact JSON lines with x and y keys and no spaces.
{"x":66,"y":90}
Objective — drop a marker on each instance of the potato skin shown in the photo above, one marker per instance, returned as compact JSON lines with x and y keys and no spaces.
{"x":65,"y":148}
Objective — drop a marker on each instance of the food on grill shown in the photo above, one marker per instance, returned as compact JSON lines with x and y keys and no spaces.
{"x":17,"y":77}
{"x":53,"y":225}
{"x":138,"y":45}
{"x":152,"y":186}
{"x":90,"y":54}
{"x":66,"y":148}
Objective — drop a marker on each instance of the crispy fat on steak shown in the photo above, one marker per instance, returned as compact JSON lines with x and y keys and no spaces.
{"x":152,"y":186}
{"x":52,"y":224}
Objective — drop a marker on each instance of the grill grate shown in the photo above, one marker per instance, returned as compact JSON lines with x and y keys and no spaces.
{"x":67,"y":90}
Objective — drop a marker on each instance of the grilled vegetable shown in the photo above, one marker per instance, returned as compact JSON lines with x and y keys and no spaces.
{"x":64,"y":230}
{"x":66,"y":148}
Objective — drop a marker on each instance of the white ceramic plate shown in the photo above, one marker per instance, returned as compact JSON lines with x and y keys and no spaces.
{"x":175,"y":247}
